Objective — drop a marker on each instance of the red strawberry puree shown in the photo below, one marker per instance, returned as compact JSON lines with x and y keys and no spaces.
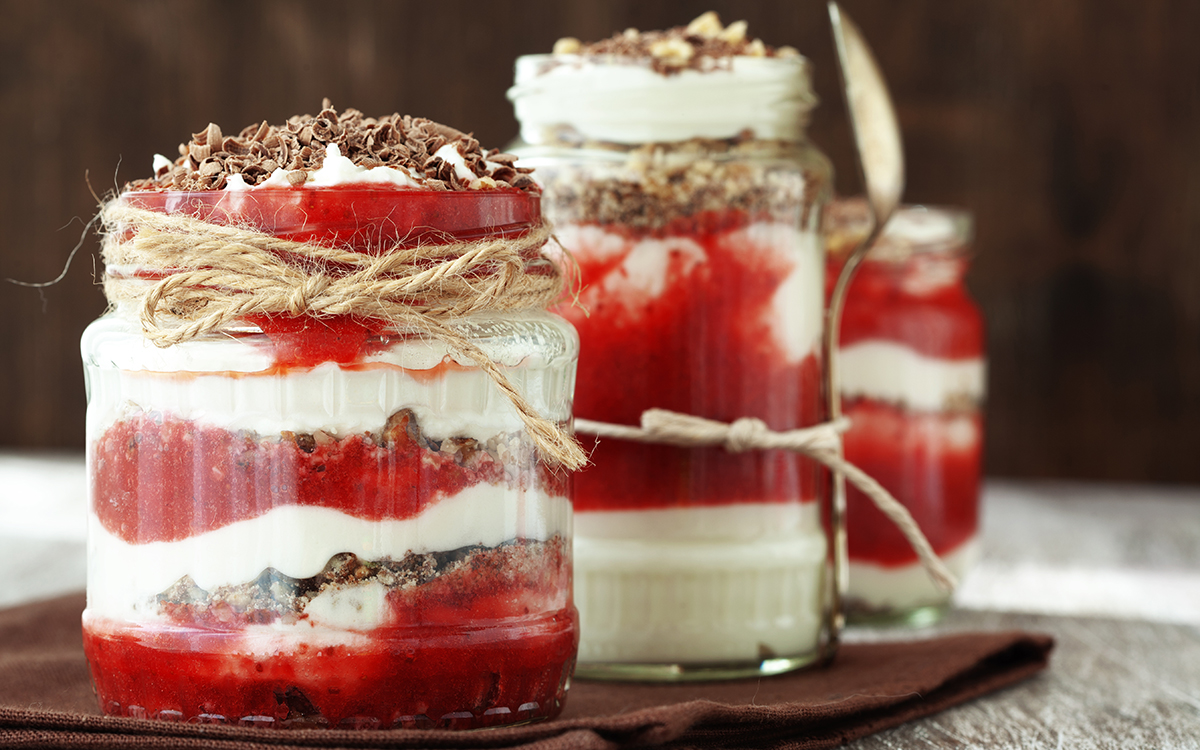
{"x":466,"y":635}
{"x":706,"y":345}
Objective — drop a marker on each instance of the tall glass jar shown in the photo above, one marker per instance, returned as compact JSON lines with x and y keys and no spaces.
{"x":912,"y":383}
{"x":326,"y":522}
{"x":691,"y":202}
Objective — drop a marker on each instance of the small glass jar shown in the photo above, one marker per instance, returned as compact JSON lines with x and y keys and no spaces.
{"x":911,"y":371}
{"x":691,"y":203}
{"x":325,"y":522}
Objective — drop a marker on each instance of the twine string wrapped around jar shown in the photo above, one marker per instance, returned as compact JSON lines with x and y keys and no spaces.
{"x":188,"y":277}
{"x":820,"y":442}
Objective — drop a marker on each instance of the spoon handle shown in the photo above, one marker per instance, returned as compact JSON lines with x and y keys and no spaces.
{"x":881,"y":160}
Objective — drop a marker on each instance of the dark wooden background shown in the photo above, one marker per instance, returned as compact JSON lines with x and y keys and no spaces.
{"x":1070,"y":127}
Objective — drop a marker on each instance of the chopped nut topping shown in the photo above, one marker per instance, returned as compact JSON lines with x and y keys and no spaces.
{"x":673,"y":50}
{"x":660,"y":184}
{"x":568,"y":45}
{"x":707,"y":25}
{"x":734,"y":33}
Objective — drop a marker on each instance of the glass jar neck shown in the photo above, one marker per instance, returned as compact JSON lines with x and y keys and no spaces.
{"x":563,"y":99}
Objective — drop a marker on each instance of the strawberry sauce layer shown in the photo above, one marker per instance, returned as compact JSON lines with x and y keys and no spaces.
{"x":159,"y":479}
{"x":929,"y":461}
{"x":472,"y":674}
{"x":706,"y":345}
{"x":920,"y":303}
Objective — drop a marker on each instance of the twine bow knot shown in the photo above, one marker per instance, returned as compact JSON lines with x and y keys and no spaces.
{"x":213,"y":275}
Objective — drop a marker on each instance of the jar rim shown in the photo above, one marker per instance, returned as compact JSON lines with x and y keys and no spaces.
{"x":914,"y":230}
{"x":363,"y":216}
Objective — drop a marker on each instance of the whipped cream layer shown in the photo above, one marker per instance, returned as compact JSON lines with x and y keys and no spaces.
{"x":623,"y":100}
{"x":880,"y":588}
{"x":529,"y":339}
{"x":298,"y":541}
{"x":740,"y":522}
{"x":652,"y":265}
{"x":734,"y":583}
{"x":229,"y":382}
{"x":696,"y":602}
{"x":895,"y":373}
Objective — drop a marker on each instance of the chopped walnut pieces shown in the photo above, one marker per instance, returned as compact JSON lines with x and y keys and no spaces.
{"x":734,"y":33}
{"x":673,"y":52}
{"x":695,"y":46}
{"x":707,"y":25}
{"x":568,"y":45}
{"x":661,"y":184}
{"x":299,"y":147}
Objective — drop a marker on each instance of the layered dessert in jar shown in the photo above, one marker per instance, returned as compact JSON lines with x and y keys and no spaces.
{"x":676,"y":172}
{"x":331,"y":521}
{"x":911,"y":371}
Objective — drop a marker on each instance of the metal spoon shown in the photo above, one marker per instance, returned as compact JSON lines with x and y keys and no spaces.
{"x":877,"y":141}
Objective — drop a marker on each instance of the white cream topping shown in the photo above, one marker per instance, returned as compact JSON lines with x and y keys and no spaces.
{"x":892,"y":372}
{"x":161,"y":163}
{"x":298,"y":541}
{"x":625,"y":101}
{"x":340,"y":170}
{"x":918,"y":225}
{"x":452,"y":156}
{"x":739,"y":522}
{"x":903,"y":587}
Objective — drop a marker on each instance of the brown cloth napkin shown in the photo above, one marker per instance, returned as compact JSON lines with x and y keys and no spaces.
{"x":46,"y":699}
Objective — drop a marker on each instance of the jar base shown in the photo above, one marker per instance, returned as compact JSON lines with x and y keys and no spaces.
{"x":910,"y":617}
{"x":728,"y":606}
{"x":616,"y":672}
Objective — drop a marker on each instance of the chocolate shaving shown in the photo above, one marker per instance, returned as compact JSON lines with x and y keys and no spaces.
{"x":299,"y":146}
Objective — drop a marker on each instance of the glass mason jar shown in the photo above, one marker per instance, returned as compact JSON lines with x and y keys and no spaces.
{"x":691,"y":203}
{"x":911,"y":368}
{"x":324,"y":522}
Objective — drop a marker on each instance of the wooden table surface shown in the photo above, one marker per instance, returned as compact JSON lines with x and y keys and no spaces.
{"x":1113,"y":572}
